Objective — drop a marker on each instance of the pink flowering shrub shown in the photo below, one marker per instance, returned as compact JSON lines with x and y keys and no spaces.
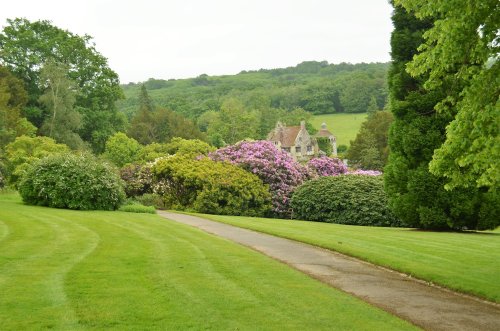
{"x":365,"y":172}
{"x":271,"y":165}
{"x":327,"y":166}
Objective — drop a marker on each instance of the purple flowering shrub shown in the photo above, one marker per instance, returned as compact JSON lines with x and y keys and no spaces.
{"x":365,"y":172}
{"x":327,"y":166}
{"x":273,"y":166}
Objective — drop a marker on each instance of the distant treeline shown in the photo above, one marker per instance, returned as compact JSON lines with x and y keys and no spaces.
{"x":316,"y":87}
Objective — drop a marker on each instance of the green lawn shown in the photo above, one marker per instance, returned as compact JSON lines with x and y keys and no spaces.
{"x":343,"y":126}
{"x":73,"y":270}
{"x":467,"y":262}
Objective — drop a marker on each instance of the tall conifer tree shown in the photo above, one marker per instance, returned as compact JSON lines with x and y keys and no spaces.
{"x":142,"y":124}
{"x":416,"y":196}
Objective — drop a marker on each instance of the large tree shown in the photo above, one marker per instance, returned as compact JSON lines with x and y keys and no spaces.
{"x":169,"y":124}
{"x":156,"y":124}
{"x":142,"y":125}
{"x":13,"y":98}
{"x":370,"y":150}
{"x":59,"y":98}
{"x":463,"y":45}
{"x":417,"y":196}
{"x":26,"y":46}
{"x":234,"y":122}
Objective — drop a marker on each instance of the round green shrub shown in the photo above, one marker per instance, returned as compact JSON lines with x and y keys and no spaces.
{"x":211,"y":187}
{"x":72,"y":181}
{"x":344,"y":199}
{"x":151,"y":199}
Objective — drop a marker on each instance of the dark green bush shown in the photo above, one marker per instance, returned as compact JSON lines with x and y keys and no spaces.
{"x":344,"y":199}
{"x":72,"y":181}
{"x":211,"y":187}
{"x":151,"y":199}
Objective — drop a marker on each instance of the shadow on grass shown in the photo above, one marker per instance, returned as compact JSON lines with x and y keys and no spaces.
{"x":468,"y":232}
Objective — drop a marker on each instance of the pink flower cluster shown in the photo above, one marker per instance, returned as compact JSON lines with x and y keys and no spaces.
{"x":273,"y":166}
{"x":326,"y":166}
{"x":365,"y":172}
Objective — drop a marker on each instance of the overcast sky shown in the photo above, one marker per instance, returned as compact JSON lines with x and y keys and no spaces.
{"x":185,"y":38}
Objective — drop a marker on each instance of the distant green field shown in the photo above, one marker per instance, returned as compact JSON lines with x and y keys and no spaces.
{"x":96,"y":270}
{"x":344,"y":126}
{"x":467,"y":262}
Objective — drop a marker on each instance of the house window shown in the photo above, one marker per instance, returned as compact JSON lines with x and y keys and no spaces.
{"x":309,"y":148}
{"x":286,"y":149}
{"x":297,"y":149}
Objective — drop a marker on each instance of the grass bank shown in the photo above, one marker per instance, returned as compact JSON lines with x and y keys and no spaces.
{"x":75,"y":270}
{"x":466,"y":262}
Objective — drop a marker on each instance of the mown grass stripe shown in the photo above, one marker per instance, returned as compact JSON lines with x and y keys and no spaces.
{"x":4,"y":231}
{"x":42,"y":267}
{"x":123,"y":271}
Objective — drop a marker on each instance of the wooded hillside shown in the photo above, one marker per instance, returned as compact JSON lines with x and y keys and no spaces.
{"x":317,"y":87}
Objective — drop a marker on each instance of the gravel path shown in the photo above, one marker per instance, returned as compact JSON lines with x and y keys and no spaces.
{"x":429,"y":307}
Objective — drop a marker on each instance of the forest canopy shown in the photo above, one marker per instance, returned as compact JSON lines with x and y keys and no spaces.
{"x":316,"y":87}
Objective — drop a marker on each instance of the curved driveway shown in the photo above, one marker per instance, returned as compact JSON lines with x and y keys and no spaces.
{"x":429,"y":307}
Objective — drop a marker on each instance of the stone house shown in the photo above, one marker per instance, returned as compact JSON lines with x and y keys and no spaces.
{"x":324,"y":133}
{"x":294,"y":140}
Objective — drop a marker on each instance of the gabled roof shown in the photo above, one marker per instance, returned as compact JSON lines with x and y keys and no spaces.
{"x":324,"y":133}
{"x":285,"y":134}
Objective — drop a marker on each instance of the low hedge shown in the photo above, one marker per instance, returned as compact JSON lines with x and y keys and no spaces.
{"x":137,"y":208}
{"x":73,"y":182}
{"x":344,"y":199}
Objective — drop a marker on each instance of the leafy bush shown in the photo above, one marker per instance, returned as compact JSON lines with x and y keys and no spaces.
{"x":137,"y":208}
{"x":151,"y":152}
{"x":72,"y":181}
{"x":211,"y":187}
{"x":23,"y":151}
{"x":151,"y":199}
{"x":121,"y":150}
{"x":342,"y":148}
{"x":273,"y":166}
{"x":138,"y":179}
{"x":326,"y":166}
{"x":365,"y":172}
{"x":345,"y":199}
{"x":192,"y":147}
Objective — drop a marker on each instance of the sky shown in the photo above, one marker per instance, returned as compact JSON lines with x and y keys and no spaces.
{"x":167,"y":39}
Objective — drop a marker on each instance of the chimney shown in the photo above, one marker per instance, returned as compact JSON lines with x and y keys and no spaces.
{"x":302,"y":125}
